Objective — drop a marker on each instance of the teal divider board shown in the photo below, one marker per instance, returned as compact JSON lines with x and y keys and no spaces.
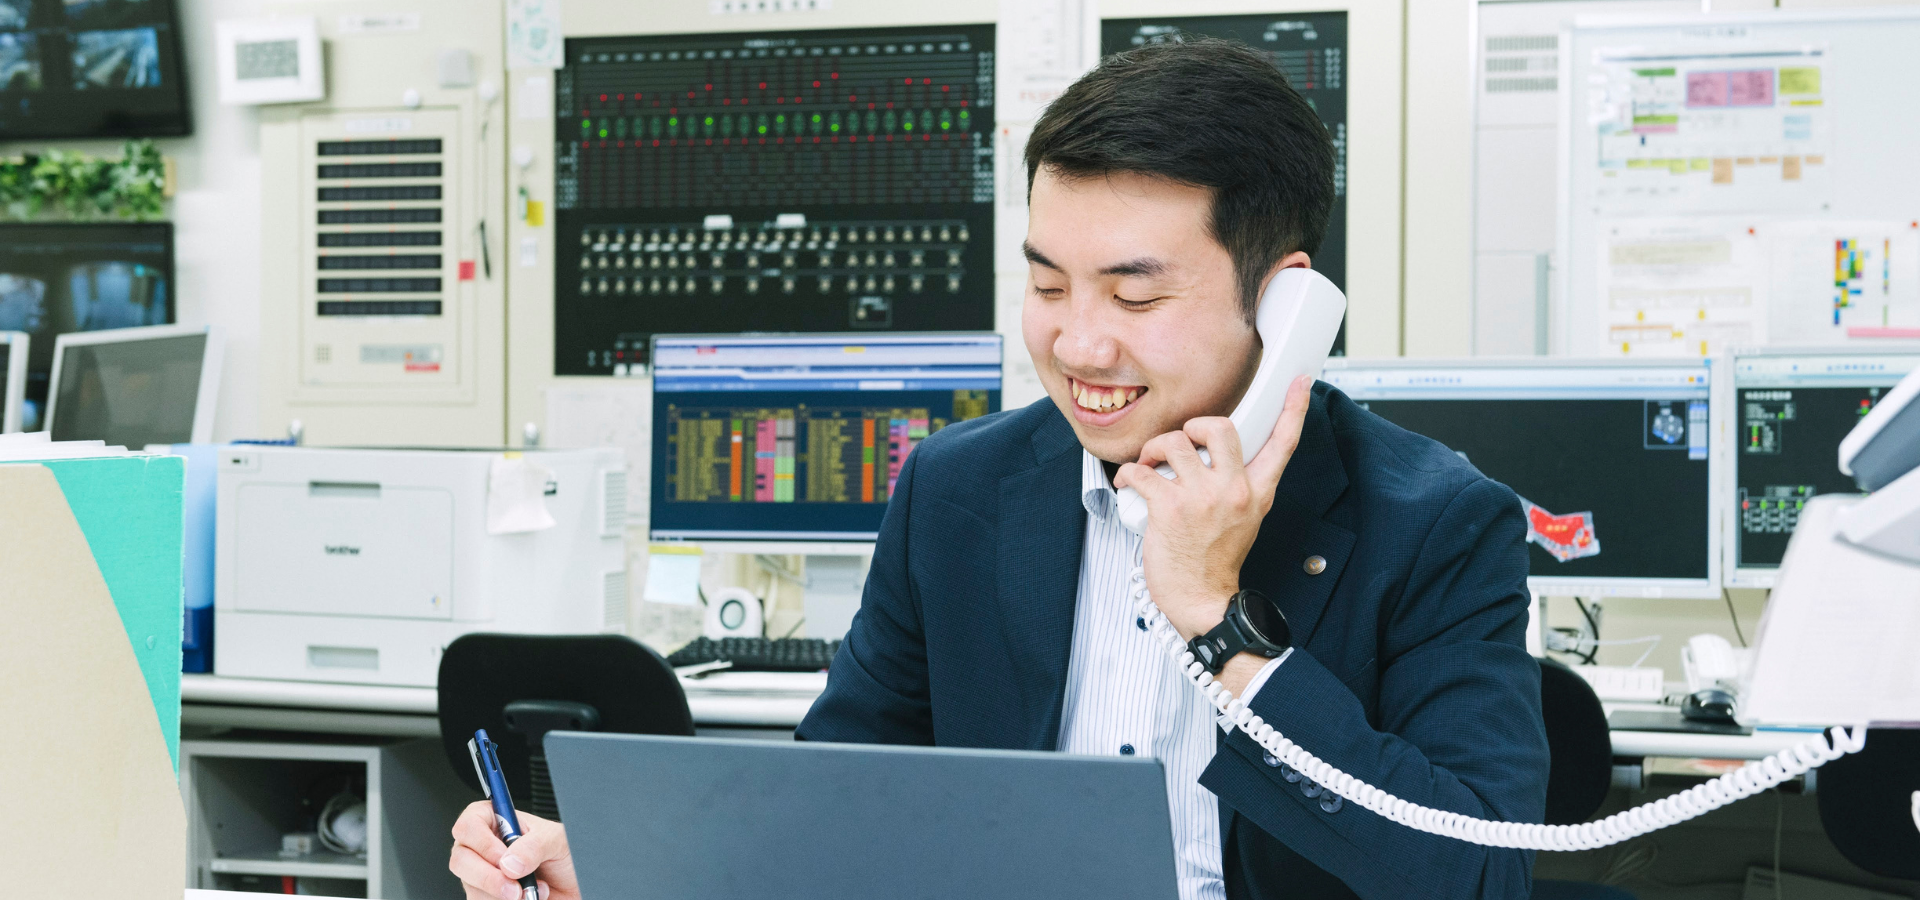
{"x":129,"y":508}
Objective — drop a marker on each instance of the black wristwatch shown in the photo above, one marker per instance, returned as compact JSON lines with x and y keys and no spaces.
{"x":1253,"y":624}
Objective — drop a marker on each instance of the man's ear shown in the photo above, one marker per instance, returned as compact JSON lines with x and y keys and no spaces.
{"x":1298,"y":259}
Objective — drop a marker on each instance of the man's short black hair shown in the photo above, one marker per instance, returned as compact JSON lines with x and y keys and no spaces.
{"x":1208,"y":113}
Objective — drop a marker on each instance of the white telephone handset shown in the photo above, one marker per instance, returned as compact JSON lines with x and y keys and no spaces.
{"x":1299,"y":317}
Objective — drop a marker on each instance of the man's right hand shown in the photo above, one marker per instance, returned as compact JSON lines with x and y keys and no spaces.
{"x":489,"y":869}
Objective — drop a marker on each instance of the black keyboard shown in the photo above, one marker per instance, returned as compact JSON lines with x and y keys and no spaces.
{"x":759,"y":654}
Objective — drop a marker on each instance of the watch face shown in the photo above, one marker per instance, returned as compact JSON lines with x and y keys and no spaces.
{"x":1266,"y":619}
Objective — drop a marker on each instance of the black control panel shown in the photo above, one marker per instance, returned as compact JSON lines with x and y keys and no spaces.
{"x":815,"y":181}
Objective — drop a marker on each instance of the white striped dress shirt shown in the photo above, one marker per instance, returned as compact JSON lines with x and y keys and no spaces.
{"x":1125,"y":696}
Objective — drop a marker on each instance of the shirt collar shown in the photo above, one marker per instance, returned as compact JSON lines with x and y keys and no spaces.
{"x":1096,"y":489}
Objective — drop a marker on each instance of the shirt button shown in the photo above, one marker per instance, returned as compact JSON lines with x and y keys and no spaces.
{"x":1140,"y":623}
{"x":1315,"y":565}
{"x":1126,"y":749}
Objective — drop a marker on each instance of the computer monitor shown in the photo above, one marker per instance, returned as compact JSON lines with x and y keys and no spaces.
{"x":1611,"y":459}
{"x":132,"y":387}
{"x":801,"y":437}
{"x":13,"y":378}
{"x":1791,"y":407}
{"x":57,"y":278}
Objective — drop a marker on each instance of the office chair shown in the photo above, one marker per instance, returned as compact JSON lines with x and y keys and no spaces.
{"x":1580,"y":750}
{"x":519,"y":687}
{"x":1866,"y":803}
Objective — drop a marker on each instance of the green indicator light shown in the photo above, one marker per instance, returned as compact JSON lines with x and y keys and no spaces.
{"x":709,"y":120}
{"x":909,"y":126}
{"x":816,"y":118}
{"x":763,"y":129}
{"x":675,"y":122}
{"x":945,"y":125}
{"x":781,"y":119}
{"x":834,"y":127}
{"x":603,"y":132}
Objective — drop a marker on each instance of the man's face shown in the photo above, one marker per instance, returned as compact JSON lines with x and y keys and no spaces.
{"x":1132,"y":314}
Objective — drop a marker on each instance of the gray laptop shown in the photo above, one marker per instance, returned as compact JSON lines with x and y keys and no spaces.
{"x":677,"y":817}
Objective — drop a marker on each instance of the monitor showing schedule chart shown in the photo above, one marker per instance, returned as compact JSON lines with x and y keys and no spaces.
{"x":1791,"y":408}
{"x":798,"y":181}
{"x":802,"y":437}
{"x":1612,"y":460}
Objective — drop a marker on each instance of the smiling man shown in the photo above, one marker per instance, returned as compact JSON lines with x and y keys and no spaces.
{"x":1383,"y":580}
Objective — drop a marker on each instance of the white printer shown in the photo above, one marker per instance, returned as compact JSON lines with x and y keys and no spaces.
{"x":353,"y":565}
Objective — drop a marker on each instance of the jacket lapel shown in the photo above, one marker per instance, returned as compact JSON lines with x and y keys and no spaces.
{"x":1042,"y":527}
{"x":1294,"y":530}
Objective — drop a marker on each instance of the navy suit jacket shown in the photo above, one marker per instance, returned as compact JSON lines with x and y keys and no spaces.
{"x":1410,"y":669}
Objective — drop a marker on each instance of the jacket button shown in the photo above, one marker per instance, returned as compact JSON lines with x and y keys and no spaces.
{"x":1331,"y":803}
{"x":1315,"y":565}
{"x":1271,"y":760}
{"x":1311,"y":788}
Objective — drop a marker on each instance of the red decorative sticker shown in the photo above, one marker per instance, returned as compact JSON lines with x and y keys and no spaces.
{"x":1567,"y":537}
{"x":466,"y":270}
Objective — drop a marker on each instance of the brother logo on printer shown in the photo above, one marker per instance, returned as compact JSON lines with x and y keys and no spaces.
{"x":342,"y":550}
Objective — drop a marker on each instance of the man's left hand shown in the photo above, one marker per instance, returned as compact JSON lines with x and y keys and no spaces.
{"x":1202,"y":522}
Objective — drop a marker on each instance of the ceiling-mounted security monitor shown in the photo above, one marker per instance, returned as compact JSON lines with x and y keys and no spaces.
{"x":1613,"y":461}
{"x":13,"y":378}
{"x":136,"y":386}
{"x":91,"y":68}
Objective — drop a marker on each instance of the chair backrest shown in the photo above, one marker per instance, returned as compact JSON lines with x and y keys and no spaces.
{"x":1866,"y":803}
{"x":1578,"y":744}
{"x":597,"y":682}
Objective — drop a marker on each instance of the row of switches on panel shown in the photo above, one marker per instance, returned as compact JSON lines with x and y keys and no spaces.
{"x":788,"y":260}
{"x":690,"y":284}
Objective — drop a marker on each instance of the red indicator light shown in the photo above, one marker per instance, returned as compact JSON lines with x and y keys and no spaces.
{"x":945,"y":88}
{"x":926,"y":81}
{"x":763,"y":85}
{"x":834,"y":75}
{"x":709,"y":87}
{"x":903,"y":81}
{"x":603,"y":98}
{"x":816,"y":82}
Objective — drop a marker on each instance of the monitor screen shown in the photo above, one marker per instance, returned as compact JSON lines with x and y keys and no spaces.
{"x":1791,"y":412}
{"x":1611,"y":462}
{"x":129,"y":393}
{"x":61,"y":278}
{"x":802,"y":437}
{"x":800,"y":181}
{"x":91,"y":68}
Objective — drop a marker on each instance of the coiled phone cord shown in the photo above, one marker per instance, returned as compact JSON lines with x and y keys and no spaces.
{"x":1750,"y":779}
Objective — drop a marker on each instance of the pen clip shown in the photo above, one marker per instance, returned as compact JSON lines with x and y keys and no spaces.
{"x":473,"y":752}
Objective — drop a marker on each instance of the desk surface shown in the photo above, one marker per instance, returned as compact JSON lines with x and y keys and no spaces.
{"x":766,"y":699}
{"x":772,"y":699}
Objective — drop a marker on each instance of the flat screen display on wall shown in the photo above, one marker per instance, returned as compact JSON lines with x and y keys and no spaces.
{"x":91,"y":68}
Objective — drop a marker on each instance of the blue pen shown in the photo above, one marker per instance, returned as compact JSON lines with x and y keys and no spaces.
{"x":493,"y":783}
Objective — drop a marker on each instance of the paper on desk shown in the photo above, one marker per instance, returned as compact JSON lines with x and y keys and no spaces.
{"x":1835,"y":646}
{"x":517,"y":495}
{"x":673,"y":575}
